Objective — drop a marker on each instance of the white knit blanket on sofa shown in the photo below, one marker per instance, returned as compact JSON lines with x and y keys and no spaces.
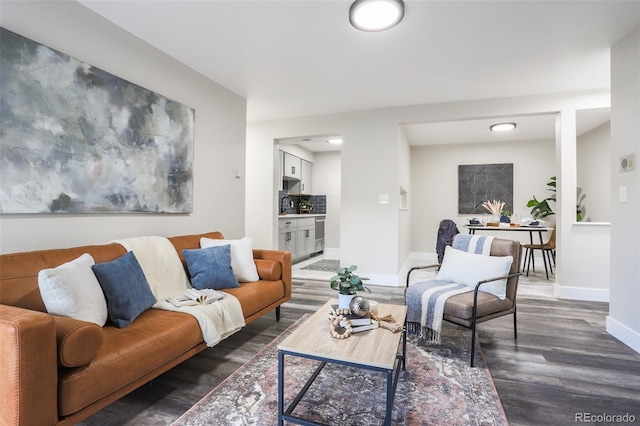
{"x":166,"y":276}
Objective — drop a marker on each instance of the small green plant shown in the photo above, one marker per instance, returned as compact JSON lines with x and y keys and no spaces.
{"x":346,"y":282}
{"x":305,"y":204}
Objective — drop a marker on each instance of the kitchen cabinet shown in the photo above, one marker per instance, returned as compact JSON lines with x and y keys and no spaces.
{"x":288,"y":236}
{"x":306,"y":242}
{"x":303,"y":186}
{"x":298,"y":236}
{"x":281,"y":167}
{"x":292,"y":167}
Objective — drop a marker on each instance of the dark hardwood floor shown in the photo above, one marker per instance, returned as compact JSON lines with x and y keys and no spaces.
{"x":563,"y":363}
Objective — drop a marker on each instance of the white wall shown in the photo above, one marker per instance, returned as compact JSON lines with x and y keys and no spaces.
{"x":624,"y":315}
{"x":594,"y":173}
{"x":326,"y":181}
{"x":404,"y":182}
{"x":435,"y":183}
{"x":371,"y":155}
{"x":220,"y":126}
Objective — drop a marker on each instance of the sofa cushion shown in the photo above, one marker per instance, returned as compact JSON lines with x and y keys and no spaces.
{"x":256,"y":296}
{"x":125,"y":287}
{"x":467,"y":268}
{"x":211,"y":267}
{"x":242,"y":262}
{"x":72,"y":290}
{"x":78,"y":341}
{"x":128,"y":354}
{"x":269,"y":270}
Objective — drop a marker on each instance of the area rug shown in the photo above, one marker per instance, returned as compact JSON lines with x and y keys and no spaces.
{"x":437,"y":388}
{"x":327,"y":265}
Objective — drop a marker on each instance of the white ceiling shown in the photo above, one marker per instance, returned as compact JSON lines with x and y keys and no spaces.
{"x":301,"y":57}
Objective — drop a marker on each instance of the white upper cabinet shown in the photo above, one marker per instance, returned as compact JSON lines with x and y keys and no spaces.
{"x":292,"y":167}
{"x":302,"y":186}
{"x":305,"y":179}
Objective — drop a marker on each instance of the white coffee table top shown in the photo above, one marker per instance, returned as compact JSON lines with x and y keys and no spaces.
{"x":375,"y":348}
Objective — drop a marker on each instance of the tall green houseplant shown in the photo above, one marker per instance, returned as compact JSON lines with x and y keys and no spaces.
{"x":541,"y":209}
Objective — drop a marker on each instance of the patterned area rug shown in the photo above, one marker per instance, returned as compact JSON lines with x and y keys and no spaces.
{"x":328,"y":265}
{"x":437,"y":388}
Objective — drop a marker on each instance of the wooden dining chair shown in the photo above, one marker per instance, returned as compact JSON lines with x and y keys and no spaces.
{"x":549,"y":251}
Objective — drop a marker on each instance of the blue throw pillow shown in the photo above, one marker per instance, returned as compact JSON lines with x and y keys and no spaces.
{"x":211,"y":267}
{"x":125,"y":288}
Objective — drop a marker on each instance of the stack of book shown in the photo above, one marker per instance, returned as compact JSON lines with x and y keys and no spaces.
{"x":358,"y":323}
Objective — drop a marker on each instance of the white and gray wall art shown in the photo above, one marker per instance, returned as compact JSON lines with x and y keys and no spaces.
{"x":76,"y":139}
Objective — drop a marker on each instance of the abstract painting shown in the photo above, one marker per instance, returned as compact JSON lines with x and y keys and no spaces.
{"x":76,"y":139}
{"x":481,"y":182}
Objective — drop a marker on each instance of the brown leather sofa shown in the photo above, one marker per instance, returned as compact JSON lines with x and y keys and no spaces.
{"x":57,"y":370}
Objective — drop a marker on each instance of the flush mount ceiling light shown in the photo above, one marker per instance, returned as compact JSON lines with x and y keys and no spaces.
{"x":334,"y":141}
{"x":502,"y":127}
{"x":376,"y":15}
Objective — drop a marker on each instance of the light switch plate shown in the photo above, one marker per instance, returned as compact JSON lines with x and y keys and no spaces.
{"x":384,"y":198}
{"x":623,"y":194}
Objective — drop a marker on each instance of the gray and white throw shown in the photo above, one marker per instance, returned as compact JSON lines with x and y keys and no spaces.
{"x":426,"y":299}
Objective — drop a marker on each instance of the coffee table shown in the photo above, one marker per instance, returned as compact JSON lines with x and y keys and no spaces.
{"x":373,"y":350}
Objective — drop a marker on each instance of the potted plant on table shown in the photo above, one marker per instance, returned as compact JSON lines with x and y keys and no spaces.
{"x":347,"y":284}
{"x":305,"y":206}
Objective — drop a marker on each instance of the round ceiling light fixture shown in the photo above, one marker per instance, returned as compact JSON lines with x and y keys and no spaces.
{"x":376,"y":15}
{"x":502,"y":127}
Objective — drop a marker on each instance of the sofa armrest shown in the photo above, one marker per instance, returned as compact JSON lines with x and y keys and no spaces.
{"x":284,"y":258}
{"x":28,"y":389}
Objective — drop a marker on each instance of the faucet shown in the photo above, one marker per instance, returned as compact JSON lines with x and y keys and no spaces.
{"x":282,"y":210}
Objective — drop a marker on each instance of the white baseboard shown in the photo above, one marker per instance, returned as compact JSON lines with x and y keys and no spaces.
{"x":623,"y":333}
{"x":331,"y":251}
{"x":421,"y":255}
{"x":581,"y":293}
{"x":382,"y":280}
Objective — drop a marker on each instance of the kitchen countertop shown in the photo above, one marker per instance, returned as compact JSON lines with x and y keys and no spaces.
{"x":296,"y":215}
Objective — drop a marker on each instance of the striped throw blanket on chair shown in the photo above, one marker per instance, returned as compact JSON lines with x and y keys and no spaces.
{"x":426,"y":299}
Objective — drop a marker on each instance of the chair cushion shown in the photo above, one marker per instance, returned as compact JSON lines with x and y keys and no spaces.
{"x":465,"y":268}
{"x":461,"y":305}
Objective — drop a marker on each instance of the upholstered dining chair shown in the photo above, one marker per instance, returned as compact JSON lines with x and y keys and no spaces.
{"x":473,"y":307}
{"x":549,"y":251}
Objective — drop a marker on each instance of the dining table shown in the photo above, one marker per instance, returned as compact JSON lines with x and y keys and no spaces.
{"x":522,"y":228}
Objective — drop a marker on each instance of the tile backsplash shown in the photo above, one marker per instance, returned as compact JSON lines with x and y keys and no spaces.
{"x":319,"y":202}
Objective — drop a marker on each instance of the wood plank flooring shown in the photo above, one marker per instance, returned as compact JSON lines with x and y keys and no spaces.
{"x":563,"y":363}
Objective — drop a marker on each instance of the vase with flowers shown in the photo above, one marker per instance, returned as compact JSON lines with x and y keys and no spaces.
{"x":495,"y":208}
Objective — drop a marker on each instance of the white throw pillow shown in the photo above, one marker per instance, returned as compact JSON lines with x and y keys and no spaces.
{"x":244,"y":268}
{"x":72,"y":290}
{"x":465,"y":268}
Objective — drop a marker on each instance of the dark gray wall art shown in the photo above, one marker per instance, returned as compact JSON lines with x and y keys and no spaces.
{"x":481,"y":182}
{"x":76,"y":139}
